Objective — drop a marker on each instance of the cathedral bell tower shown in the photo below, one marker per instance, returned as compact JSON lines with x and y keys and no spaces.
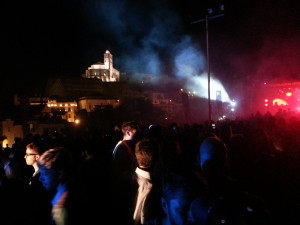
{"x":108,"y":62}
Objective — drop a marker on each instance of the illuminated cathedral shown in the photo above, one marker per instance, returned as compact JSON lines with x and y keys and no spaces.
{"x":103,"y":71}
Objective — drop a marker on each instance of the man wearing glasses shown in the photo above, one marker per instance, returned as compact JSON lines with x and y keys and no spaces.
{"x":40,"y":197}
{"x":31,"y":156}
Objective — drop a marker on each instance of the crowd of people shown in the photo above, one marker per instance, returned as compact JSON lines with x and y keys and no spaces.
{"x":239,"y":172}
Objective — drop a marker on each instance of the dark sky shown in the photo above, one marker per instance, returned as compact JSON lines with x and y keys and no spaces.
{"x":253,"y":40}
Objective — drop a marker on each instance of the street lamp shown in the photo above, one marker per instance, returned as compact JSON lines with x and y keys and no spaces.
{"x":209,"y":16}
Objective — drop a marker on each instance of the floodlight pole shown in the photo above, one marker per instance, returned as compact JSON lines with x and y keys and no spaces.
{"x":208,"y":70}
{"x":208,"y":61}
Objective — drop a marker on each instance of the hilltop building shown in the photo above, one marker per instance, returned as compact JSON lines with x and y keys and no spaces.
{"x":103,"y":71}
{"x":99,"y":88}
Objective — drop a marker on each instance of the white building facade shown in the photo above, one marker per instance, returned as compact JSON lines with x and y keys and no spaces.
{"x":103,"y":71}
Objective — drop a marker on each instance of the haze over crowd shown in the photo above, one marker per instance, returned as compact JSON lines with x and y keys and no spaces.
{"x":253,"y":40}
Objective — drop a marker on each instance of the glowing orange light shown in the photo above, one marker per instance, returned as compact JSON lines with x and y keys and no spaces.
{"x":288,"y":94}
{"x":279,"y":101}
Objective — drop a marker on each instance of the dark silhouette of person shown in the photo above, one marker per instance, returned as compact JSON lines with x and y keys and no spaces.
{"x":179,"y":188}
{"x":123,"y":152}
{"x":40,"y":198}
{"x":57,"y":174}
{"x":15,"y":206}
{"x":137,"y":197}
{"x":225,"y":202}
{"x":94,"y":176}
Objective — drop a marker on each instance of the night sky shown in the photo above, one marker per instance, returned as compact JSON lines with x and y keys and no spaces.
{"x":253,"y":40}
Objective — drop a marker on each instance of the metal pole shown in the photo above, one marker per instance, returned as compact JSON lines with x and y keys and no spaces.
{"x":207,"y":58}
{"x":208,"y":70}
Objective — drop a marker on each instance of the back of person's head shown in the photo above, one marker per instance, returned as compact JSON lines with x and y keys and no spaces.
{"x":146,"y":152}
{"x":5,"y":153}
{"x":155,"y":131}
{"x":130,"y":125}
{"x":2,"y":172}
{"x":171,"y":155}
{"x":56,"y":167}
{"x":179,"y":189}
{"x":184,"y":181}
{"x":131,"y":130}
{"x":56,"y":159}
{"x":225,"y":132}
{"x":212,"y":157}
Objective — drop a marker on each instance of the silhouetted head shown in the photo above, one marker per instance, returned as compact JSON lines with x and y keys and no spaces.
{"x":179,"y":189}
{"x":155,"y":131}
{"x":146,"y":152}
{"x":55,"y":167}
{"x":131,"y":130}
{"x":212,"y":157}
